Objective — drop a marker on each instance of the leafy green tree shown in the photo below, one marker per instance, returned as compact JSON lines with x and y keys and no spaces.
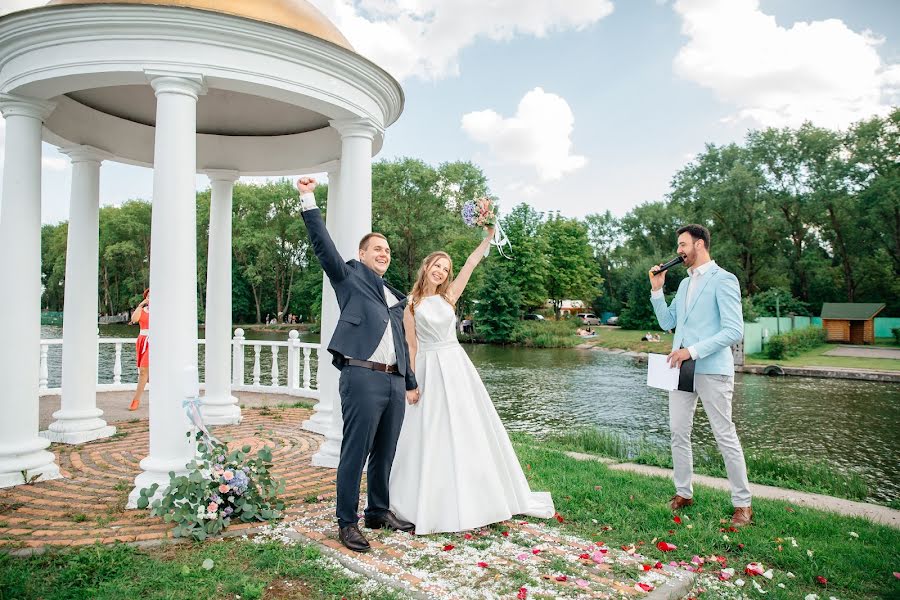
{"x":53,"y":265}
{"x":764,"y":303}
{"x":637,"y":312}
{"x":571,"y":270}
{"x":530,"y":255}
{"x":497,"y":312}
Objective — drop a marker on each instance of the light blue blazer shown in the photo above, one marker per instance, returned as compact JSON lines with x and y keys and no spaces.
{"x":712,"y":323}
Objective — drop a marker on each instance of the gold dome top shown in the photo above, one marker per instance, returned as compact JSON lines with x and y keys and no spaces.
{"x":299,"y":15}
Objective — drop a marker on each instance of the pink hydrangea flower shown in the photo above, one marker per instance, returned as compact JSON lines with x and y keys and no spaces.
{"x":213,"y":507}
{"x":228,"y":475}
{"x":223,"y":489}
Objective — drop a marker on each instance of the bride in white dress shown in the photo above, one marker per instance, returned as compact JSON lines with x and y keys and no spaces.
{"x":455,"y":468}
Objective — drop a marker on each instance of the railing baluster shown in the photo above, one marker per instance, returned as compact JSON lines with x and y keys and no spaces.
{"x":44,"y":376}
{"x":117,"y":366}
{"x":274,"y":366}
{"x":292,"y":358}
{"x":256,"y":349}
{"x":307,"y":375}
{"x":237,"y":359}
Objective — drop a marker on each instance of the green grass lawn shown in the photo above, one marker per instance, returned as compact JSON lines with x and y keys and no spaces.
{"x":624,"y":508}
{"x":627,"y":339}
{"x":816,"y":358}
{"x":239,"y":569}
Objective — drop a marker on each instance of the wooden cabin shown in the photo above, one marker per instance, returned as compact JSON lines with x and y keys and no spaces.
{"x":850,"y":322}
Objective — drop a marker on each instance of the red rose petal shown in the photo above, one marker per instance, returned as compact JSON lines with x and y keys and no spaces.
{"x":646,"y":567}
{"x":468,"y":536}
{"x":645,"y":586}
{"x":536,"y":551}
{"x":658,"y":565}
{"x":483,"y":565}
{"x":666,"y":546}
{"x":561,"y":578}
{"x":523,"y":593}
{"x":821,"y":580}
{"x":449,"y":547}
{"x":677,"y":519}
{"x":584,"y":556}
{"x":559,"y":517}
{"x":505,"y":534}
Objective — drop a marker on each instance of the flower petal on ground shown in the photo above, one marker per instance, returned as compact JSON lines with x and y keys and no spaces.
{"x":666,"y":546}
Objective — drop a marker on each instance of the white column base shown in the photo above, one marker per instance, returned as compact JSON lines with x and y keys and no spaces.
{"x":78,"y":427}
{"x":220,"y":410}
{"x":329,"y":455}
{"x":155,"y":471}
{"x":28,"y":462}
{"x":320,"y":422}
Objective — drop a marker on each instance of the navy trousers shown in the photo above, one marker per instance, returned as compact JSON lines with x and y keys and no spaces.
{"x":373,"y":405}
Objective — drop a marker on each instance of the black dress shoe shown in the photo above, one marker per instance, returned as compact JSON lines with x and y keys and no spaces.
{"x":388,"y":520}
{"x":352,"y":538}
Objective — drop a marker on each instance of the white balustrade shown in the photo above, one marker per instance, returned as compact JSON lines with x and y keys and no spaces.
{"x":256,"y":350}
{"x":45,"y":373}
{"x":117,"y":370}
{"x":117,"y":367}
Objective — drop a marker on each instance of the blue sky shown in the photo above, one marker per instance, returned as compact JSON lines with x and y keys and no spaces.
{"x":618,"y":95}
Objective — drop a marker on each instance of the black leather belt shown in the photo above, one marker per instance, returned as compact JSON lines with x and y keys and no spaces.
{"x":368,"y":364}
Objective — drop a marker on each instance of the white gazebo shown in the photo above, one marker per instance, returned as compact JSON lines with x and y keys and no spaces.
{"x":222,"y":87}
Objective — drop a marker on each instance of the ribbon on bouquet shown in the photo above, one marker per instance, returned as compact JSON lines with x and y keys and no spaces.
{"x":500,"y":240}
{"x":191,"y":407}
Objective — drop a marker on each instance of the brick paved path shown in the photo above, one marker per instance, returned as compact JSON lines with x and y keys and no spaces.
{"x":88,"y":504}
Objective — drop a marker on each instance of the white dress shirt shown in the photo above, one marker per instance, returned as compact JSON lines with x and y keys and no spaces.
{"x":696,"y":274}
{"x":384,"y":352}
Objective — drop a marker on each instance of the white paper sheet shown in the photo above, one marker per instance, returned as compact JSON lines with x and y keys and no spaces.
{"x":660,"y":374}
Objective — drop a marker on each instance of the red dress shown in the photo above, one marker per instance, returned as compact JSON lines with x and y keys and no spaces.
{"x":142,"y":346}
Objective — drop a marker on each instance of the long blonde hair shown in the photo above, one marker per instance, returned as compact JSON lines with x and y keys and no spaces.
{"x":418,"y":291}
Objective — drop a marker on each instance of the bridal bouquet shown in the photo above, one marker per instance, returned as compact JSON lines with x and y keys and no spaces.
{"x":220,"y":486}
{"x":482,"y":212}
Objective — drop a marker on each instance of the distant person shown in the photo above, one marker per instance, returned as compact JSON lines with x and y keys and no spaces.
{"x":142,"y":348}
{"x":711,"y":297}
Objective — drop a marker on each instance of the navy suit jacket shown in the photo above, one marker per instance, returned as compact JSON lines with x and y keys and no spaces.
{"x":364,"y":310}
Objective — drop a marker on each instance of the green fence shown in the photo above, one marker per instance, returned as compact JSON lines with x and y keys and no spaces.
{"x":756,"y":334}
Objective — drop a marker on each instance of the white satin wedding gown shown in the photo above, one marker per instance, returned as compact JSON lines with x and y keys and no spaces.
{"x":455,"y":468}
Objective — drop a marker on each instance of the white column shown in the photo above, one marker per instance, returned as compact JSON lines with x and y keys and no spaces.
{"x":78,"y":419}
{"x":352,"y":216}
{"x":326,"y":373}
{"x":173,"y":278}
{"x":219,"y":406}
{"x":22,"y":450}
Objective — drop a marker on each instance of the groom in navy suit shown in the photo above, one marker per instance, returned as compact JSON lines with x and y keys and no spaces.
{"x":369,"y":348}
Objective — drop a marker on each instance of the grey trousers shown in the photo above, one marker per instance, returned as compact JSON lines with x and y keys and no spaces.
{"x":715,"y":391}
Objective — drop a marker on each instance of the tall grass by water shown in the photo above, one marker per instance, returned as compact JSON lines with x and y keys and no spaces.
{"x":763,"y":466}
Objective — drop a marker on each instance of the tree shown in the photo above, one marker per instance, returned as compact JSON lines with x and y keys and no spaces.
{"x":571,"y":270}
{"x":778,"y":300}
{"x":498,"y":306}
{"x":530,"y":255}
{"x":53,"y":265}
{"x":638,"y":312}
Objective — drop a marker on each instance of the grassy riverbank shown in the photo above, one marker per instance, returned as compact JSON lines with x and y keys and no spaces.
{"x":763,"y":467}
{"x":816,"y":358}
{"x":856,"y":557}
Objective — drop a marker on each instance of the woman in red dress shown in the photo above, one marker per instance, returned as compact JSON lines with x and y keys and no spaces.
{"x":142,"y":347}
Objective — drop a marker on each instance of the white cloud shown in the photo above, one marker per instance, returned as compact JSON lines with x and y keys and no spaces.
{"x":54,"y":163}
{"x":423,"y":38}
{"x":539,"y":135}
{"x":821,"y":71}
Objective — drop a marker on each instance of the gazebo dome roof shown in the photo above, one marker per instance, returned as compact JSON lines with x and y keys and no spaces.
{"x":298,"y":15}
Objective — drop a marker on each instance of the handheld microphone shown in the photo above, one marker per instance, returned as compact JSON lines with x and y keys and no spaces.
{"x":665,"y":266}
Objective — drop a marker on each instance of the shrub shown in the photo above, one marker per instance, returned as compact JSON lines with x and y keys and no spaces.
{"x":896,"y":332}
{"x":794,"y":342}
{"x":546,"y":334}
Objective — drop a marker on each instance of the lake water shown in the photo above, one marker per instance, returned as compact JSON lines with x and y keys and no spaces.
{"x":855,"y":425}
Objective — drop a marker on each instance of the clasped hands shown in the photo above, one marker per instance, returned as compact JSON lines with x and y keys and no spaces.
{"x":412,"y":396}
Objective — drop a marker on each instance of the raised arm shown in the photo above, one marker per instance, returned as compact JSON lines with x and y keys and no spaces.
{"x":136,"y":315}
{"x":322,"y":244}
{"x":462,"y":279}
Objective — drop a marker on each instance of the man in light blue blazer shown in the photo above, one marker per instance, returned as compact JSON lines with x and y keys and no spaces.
{"x":707,"y":317}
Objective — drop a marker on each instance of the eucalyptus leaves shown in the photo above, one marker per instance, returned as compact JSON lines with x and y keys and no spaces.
{"x":220,"y":486}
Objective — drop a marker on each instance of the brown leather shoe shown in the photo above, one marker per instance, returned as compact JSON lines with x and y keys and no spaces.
{"x":352,"y":538}
{"x":742,"y":516}
{"x":677,"y":502}
{"x":388,"y":521}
